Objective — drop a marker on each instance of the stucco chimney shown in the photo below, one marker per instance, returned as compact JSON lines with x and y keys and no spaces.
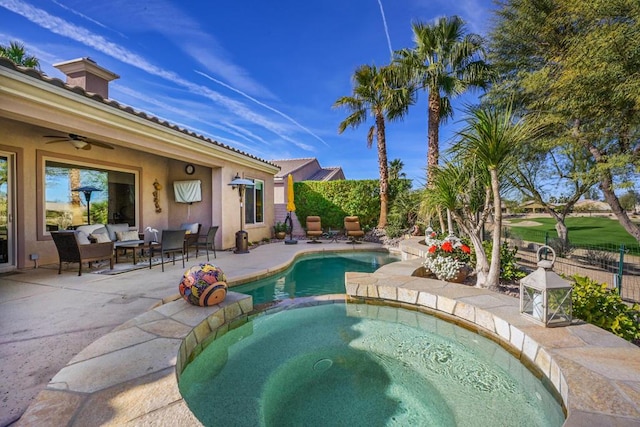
{"x":84,"y":72}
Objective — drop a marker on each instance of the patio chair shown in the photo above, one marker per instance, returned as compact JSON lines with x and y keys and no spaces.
{"x":172,"y":242}
{"x":352,"y":229}
{"x":314,"y":229}
{"x":71,"y":250}
{"x":208,"y":241}
{"x":192,"y":234}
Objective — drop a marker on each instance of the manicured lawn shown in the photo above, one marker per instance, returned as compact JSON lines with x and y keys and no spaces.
{"x":604,"y":233}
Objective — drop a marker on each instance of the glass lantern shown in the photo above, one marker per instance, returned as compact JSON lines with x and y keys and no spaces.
{"x":545,"y":297}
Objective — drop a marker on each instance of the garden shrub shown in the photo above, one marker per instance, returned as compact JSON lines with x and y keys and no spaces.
{"x":594,"y":303}
{"x":333,"y":200}
{"x":562,"y":249}
{"x":509,"y":269}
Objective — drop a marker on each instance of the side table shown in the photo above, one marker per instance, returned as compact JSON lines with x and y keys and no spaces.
{"x":332,"y":235}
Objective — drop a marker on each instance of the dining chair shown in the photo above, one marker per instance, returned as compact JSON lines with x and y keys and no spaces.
{"x":207,"y":241}
{"x":172,"y":242}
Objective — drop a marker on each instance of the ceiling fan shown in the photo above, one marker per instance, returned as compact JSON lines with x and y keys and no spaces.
{"x":78,"y":141}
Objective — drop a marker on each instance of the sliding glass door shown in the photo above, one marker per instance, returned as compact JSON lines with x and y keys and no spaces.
{"x":6,"y":212}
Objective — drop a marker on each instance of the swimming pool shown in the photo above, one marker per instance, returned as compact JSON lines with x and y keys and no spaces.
{"x":361,"y":365}
{"x":314,"y":274}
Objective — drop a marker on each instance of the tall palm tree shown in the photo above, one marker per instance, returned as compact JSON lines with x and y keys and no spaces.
{"x":395,"y":169}
{"x":493,"y":137}
{"x":444,"y":62}
{"x":378,"y":93}
{"x":17,"y":53}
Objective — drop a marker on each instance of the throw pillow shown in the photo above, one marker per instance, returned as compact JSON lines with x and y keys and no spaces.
{"x":123,"y":236}
{"x":100,"y":237}
{"x":83,"y":238}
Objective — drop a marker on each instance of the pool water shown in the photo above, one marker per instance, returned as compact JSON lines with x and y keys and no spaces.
{"x":339,"y":364}
{"x":316,"y":274}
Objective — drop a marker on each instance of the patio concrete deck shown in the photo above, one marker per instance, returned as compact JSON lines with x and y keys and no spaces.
{"x":48,"y":319}
{"x":128,"y":376}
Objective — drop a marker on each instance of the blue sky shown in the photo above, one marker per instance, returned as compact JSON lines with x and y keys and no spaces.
{"x":261,"y":76}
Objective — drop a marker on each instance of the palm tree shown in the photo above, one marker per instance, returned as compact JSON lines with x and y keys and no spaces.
{"x":445,"y":63}
{"x":377,"y":92}
{"x":395,"y":169}
{"x":17,"y":53}
{"x":493,"y":137}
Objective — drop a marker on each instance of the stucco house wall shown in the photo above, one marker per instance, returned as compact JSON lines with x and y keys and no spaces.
{"x":32,"y":105}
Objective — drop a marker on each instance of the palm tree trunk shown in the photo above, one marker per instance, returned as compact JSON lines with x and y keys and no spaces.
{"x":384,"y":171}
{"x":482,"y":264}
{"x":493,"y":278}
{"x":433,"y":152}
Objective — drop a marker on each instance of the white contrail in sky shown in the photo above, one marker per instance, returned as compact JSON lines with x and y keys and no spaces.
{"x":75,"y":12}
{"x":86,"y":37}
{"x":386,"y":29}
{"x":262,"y":104}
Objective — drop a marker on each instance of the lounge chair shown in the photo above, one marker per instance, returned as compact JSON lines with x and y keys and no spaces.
{"x":352,"y":229}
{"x":71,"y":250}
{"x":172,"y":242}
{"x":314,"y":229}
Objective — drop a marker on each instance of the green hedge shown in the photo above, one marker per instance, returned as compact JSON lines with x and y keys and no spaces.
{"x":333,"y":200}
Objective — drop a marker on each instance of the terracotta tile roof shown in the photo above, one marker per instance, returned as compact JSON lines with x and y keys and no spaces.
{"x":31,"y":72}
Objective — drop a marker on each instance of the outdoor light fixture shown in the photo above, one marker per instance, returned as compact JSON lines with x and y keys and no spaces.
{"x":545,"y":297}
{"x":78,"y":143}
{"x":87,"y":190}
{"x":242,"y":237}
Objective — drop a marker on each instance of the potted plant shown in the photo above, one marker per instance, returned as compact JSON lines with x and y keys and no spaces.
{"x":280,"y":230}
{"x":448,"y":259}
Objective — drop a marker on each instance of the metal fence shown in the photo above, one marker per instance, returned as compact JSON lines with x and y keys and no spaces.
{"x":615,"y":264}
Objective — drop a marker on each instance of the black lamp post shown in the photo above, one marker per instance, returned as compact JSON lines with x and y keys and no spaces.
{"x":87,"y":190}
{"x":242,"y":237}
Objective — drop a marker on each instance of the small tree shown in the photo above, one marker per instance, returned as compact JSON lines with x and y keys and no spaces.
{"x":492,"y":137}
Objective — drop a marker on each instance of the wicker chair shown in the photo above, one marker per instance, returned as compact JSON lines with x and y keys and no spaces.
{"x":69,"y":250}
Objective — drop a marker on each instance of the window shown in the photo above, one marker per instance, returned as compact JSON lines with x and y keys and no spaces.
{"x":114,"y":201}
{"x":254,"y":203}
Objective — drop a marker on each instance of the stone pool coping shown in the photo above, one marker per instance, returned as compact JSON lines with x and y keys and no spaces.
{"x":596,"y":373}
{"x":129,"y":376}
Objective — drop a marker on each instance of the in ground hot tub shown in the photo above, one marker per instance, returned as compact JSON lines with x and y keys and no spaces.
{"x":357,"y":364}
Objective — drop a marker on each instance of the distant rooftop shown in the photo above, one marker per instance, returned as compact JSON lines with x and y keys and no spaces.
{"x":307,"y":169}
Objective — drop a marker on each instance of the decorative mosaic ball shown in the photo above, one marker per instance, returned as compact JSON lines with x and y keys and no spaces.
{"x":203,"y":285}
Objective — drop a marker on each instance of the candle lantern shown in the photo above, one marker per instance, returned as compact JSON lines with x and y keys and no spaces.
{"x":545,"y":297}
